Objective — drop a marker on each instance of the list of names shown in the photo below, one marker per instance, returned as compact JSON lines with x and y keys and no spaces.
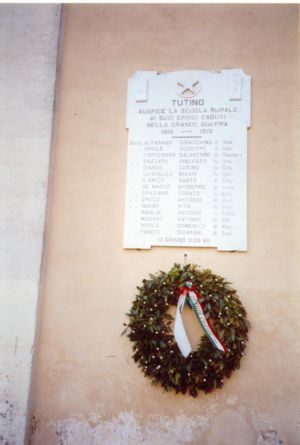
{"x":187,"y":159}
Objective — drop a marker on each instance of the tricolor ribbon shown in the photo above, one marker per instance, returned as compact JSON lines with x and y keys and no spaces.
{"x":189,"y":291}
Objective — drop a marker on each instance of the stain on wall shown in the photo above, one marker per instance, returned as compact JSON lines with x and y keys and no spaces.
{"x":230,"y":426}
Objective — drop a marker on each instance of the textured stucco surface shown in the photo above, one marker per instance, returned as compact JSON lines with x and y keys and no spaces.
{"x":86,"y":387}
{"x":28,"y":47}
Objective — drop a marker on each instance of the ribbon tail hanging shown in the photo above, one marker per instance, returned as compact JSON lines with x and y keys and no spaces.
{"x":203,"y":322}
{"x":179,"y":331}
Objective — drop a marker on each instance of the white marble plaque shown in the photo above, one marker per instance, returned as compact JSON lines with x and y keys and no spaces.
{"x":187,"y":159}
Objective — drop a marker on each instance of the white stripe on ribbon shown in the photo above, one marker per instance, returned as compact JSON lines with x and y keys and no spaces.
{"x":179,"y":331}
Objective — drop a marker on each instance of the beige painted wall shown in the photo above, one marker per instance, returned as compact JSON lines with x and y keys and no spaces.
{"x":87,"y":390}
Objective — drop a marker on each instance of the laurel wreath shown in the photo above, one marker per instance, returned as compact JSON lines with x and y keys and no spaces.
{"x":154,"y":346}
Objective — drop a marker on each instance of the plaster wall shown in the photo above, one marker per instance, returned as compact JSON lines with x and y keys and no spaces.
{"x":28,"y":48}
{"x":87,"y":390}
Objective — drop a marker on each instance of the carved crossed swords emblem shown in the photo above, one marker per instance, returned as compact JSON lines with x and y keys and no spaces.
{"x":188,"y":87}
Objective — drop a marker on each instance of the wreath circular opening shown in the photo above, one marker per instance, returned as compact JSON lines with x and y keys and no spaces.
{"x":154,"y":346}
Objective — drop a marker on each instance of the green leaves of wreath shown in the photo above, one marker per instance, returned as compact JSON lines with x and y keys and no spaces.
{"x":154,"y":346}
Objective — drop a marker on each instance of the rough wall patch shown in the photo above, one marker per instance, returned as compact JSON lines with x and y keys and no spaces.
{"x":127,"y":429}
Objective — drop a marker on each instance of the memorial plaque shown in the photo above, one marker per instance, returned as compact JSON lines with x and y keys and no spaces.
{"x":187,"y":159}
